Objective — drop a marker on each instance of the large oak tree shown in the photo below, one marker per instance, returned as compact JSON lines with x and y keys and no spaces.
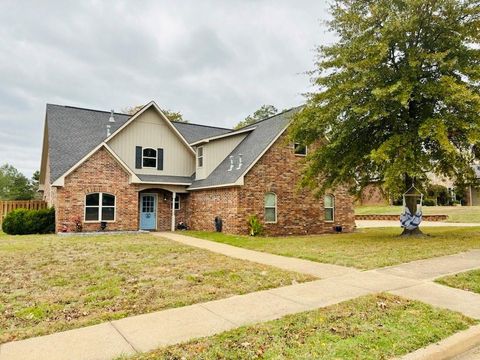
{"x":397,"y":95}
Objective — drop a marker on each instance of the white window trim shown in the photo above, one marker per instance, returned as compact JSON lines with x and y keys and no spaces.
{"x":100,"y":206}
{"x":265,"y":207}
{"x":200,"y":157}
{"x":333,"y":208}
{"x":296,"y":154}
{"x":150,"y":157}
{"x":177,"y":202}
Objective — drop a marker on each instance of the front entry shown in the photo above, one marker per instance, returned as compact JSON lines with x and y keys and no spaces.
{"x":148,"y":211}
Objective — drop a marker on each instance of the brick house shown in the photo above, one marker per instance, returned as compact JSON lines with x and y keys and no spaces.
{"x":143,"y":171}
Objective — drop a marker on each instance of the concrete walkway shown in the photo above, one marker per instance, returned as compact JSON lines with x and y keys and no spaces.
{"x":317,"y":269}
{"x":150,"y":331}
{"x":363,"y":224}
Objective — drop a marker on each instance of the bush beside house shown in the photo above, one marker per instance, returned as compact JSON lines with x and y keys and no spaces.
{"x":23,"y":221}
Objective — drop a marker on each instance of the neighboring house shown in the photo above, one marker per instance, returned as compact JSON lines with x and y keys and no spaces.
{"x":146,"y":172}
{"x":473,"y":193}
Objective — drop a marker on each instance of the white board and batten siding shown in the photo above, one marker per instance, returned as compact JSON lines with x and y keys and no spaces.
{"x":149,"y":130}
{"x":214,"y":152}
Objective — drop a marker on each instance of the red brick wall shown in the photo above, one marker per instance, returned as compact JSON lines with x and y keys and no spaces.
{"x":99,"y":173}
{"x":278,"y":171}
{"x":205,"y":205}
{"x":298,"y":210}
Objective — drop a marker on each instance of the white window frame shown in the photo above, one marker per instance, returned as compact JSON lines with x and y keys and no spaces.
{"x":332,"y":207}
{"x":177,"y":202}
{"x":270,"y":207}
{"x":100,"y":207}
{"x":200,"y":157}
{"x":299,"y":154}
{"x":150,"y":157}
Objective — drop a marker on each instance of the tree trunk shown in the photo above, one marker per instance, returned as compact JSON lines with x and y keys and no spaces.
{"x":414,"y":232}
{"x":411,"y":203}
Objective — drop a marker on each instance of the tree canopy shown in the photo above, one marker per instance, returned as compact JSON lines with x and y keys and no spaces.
{"x":170,"y":114}
{"x":14,"y":185}
{"x":265,"y":111}
{"x":397,"y":95}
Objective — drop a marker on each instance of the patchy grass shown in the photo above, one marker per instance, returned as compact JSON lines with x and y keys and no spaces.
{"x":364,"y":249}
{"x":50,"y":283}
{"x":371,"y":327}
{"x":456,"y":214}
{"x":469,"y":281}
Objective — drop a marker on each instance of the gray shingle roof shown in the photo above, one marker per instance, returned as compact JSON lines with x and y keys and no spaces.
{"x":251,"y":148}
{"x":74,"y":132}
{"x":166,"y":179}
{"x":194,"y":132}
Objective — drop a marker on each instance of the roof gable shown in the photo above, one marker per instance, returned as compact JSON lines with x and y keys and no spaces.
{"x":72,"y":132}
{"x":152,"y":105}
{"x":252,"y":148}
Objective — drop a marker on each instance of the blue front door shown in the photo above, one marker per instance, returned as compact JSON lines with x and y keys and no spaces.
{"x":148,"y":211}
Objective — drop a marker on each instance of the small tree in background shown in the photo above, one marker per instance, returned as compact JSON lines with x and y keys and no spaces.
{"x":398,"y":95}
{"x":171,"y":115}
{"x":264,"y":112}
{"x":14,"y":185}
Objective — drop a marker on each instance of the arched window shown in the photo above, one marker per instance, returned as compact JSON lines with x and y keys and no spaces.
{"x":99,"y":207}
{"x":329,"y":205}
{"x":149,"y":158}
{"x":270,"y":207}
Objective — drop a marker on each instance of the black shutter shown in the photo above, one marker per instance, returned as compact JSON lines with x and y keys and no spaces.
{"x":138,"y":157}
{"x":159,"y":159}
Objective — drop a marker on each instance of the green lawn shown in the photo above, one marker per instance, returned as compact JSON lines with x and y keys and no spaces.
{"x":364,"y":249}
{"x":466,"y":214}
{"x":50,"y":283}
{"x":469,"y":281}
{"x":370,"y":327}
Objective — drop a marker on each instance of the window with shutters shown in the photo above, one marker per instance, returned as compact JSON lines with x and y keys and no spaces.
{"x":149,"y":158}
{"x":99,"y":207}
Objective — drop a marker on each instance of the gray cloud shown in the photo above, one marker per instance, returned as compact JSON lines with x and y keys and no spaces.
{"x":215,"y":61}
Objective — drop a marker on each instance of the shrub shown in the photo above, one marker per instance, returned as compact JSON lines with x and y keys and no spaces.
{"x":23,"y":221}
{"x":255,"y":227}
{"x":429,"y":202}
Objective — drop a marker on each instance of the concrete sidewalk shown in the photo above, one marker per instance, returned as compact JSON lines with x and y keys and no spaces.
{"x":150,"y":331}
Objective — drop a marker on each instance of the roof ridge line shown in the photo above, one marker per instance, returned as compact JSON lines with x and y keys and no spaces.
{"x":189,"y":123}
{"x":272,"y":116}
{"x":130,"y":115}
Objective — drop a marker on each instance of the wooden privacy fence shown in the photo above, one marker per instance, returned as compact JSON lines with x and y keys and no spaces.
{"x":9,"y":205}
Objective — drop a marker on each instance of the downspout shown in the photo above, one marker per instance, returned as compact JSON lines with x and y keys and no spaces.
{"x":174,"y":195}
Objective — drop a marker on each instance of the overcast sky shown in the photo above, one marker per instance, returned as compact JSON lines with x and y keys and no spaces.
{"x":214,"y":61}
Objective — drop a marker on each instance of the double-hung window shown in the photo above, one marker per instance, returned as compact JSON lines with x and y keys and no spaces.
{"x":200,"y":156}
{"x":329,"y":205}
{"x":149,"y":158}
{"x":270,"y":207}
{"x":177,"y":202}
{"x":99,"y":207}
